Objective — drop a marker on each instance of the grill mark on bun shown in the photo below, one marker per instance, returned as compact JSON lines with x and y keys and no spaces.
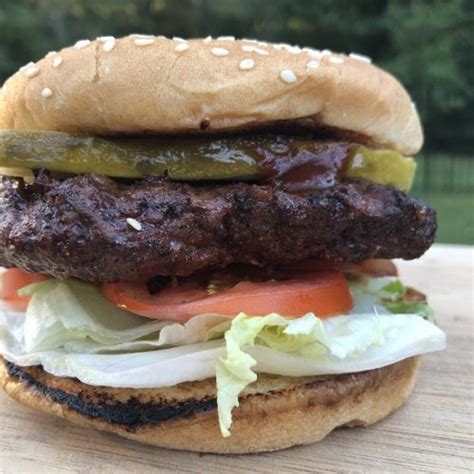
{"x":130,"y":414}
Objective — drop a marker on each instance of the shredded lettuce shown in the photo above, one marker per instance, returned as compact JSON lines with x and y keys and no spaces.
{"x":303,"y":336}
{"x":71,"y":330}
{"x":387,"y":294}
{"x":72,"y":310}
{"x":411,"y":307}
{"x":392,"y":291}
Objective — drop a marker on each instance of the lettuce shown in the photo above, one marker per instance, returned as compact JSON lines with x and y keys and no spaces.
{"x":311,"y":346}
{"x":303,"y":336}
{"x":392,"y":291}
{"x":74,"y":314}
{"x":387,"y":294}
{"x":62,"y":311}
{"x":72,"y":331}
{"x":411,"y":307}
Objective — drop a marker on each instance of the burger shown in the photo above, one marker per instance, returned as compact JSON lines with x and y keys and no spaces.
{"x":196,"y":240}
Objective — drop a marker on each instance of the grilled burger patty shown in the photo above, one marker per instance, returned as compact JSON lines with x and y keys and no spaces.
{"x":77,"y":227}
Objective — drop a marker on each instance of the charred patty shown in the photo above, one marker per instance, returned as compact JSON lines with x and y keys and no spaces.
{"x":80,"y":226}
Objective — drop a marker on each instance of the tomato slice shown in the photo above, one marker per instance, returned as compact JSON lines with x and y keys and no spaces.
{"x":13,"y":280}
{"x":324,"y":293}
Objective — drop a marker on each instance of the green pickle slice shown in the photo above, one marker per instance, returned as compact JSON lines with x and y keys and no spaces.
{"x":386,"y":167}
{"x":183,"y":158}
{"x":124,"y":157}
{"x":25,"y":173}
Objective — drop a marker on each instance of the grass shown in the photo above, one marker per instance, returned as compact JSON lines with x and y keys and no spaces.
{"x":455,"y":216}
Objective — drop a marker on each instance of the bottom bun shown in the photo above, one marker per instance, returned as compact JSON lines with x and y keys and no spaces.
{"x":274,"y":413}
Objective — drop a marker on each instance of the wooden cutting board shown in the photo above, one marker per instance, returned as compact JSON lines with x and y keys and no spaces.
{"x":433,"y":432}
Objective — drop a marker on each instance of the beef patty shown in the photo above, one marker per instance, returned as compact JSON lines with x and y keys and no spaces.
{"x":77,"y":227}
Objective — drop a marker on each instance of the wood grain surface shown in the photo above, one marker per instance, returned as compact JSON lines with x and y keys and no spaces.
{"x":432,"y":433}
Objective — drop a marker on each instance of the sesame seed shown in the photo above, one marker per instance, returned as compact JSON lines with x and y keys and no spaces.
{"x":143,"y":41}
{"x":181,"y":40}
{"x":142,"y":36}
{"x":104,"y":39}
{"x":246,"y":64}
{"x":57,"y":61}
{"x":293,"y":49}
{"x":326,"y":52}
{"x":109,"y":45}
{"x":336,"y":60}
{"x":261,"y":52}
{"x":314,"y":53}
{"x":288,"y":76}
{"x":26,"y":66}
{"x":51,"y":53}
{"x":413,"y":106}
{"x":82,"y":44}
{"x":262,"y":43}
{"x":32,"y":71}
{"x":313,"y":64}
{"x":226,"y":38}
{"x":253,"y":49}
{"x":358,"y":161}
{"x":46,"y":92}
{"x":181,"y":47}
{"x":207,"y":39}
{"x":134,"y":223}
{"x":360,"y":57}
{"x":279,"y":47}
{"x":219,"y":51}
{"x":249,"y":40}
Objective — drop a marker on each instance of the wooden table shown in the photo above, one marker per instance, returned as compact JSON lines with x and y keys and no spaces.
{"x":434,"y":432}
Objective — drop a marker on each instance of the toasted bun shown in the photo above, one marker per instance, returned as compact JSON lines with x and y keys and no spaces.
{"x":143,"y":84}
{"x":274,"y":413}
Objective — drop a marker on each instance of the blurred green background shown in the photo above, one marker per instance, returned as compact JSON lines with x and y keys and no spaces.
{"x":427,"y":44}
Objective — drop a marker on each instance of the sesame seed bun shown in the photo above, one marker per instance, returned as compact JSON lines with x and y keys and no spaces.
{"x":146,"y":84}
{"x":274,"y":413}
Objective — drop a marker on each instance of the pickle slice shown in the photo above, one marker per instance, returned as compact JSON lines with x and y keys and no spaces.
{"x":25,"y":173}
{"x":385,"y":167}
{"x":246,"y":157}
{"x":126,"y":157}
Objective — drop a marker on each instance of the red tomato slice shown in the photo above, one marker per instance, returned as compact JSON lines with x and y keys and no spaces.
{"x":13,"y":280}
{"x":325,"y":293}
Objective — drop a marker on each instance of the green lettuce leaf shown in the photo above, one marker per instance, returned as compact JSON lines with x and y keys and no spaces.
{"x":391,"y":296}
{"x":71,"y":310}
{"x":387,"y":294}
{"x":392,"y":291}
{"x":74,"y":315}
{"x":411,"y":307}
{"x":303,"y":336}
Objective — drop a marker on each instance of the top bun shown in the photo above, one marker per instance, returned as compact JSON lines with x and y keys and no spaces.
{"x":151,"y":84}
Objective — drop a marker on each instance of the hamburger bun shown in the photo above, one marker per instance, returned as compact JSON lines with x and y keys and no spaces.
{"x":144,"y":84}
{"x":274,"y":413}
